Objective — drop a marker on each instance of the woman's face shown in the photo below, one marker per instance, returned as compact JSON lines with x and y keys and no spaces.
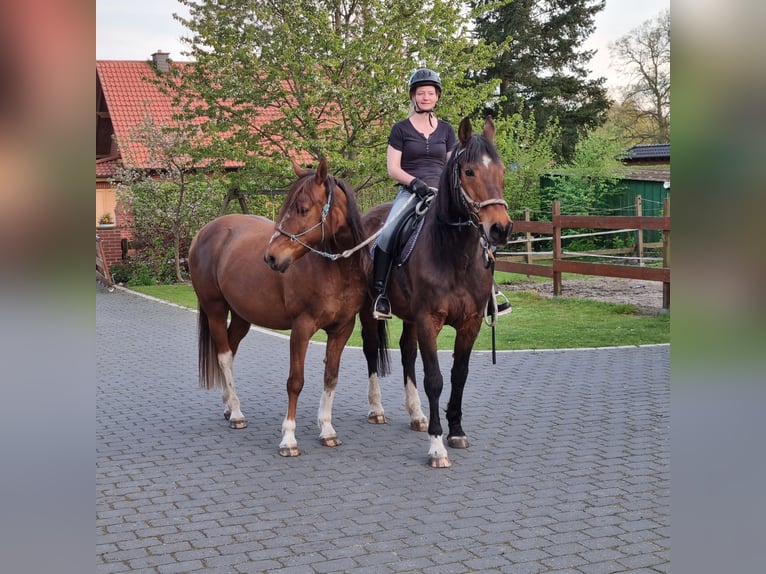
{"x":425,"y":98}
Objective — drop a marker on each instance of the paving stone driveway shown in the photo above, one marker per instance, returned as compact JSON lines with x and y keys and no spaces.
{"x":568,"y":469}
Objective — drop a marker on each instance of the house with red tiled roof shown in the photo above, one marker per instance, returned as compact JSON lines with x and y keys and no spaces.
{"x":125,"y":95}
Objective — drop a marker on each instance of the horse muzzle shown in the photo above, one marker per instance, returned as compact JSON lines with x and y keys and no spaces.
{"x":280,"y":265}
{"x":498,"y":233}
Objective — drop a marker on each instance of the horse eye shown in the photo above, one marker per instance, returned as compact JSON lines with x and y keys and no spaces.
{"x":469,"y":172}
{"x":302,"y":211}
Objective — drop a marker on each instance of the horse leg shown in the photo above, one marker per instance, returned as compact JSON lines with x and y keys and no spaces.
{"x":463,"y":345}
{"x":237,"y":330}
{"x":214,"y":339}
{"x":299,"y":341}
{"x":433,"y":384}
{"x":408,"y":344}
{"x":336,"y":341}
{"x":371,"y":343}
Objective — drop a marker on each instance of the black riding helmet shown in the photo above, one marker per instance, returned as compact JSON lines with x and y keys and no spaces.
{"x":425,"y":77}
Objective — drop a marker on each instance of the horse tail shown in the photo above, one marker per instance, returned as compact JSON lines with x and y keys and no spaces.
{"x":210,"y":374}
{"x":384,"y":360}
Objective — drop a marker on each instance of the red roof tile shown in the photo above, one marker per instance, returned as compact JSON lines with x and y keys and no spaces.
{"x":106,"y":167}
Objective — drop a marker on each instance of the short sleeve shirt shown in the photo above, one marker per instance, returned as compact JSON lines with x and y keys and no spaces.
{"x":422,"y":156}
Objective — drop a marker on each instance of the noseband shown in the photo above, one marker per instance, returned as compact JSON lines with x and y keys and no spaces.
{"x":330,"y":186}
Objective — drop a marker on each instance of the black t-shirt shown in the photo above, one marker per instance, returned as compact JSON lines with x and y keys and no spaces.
{"x":422,"y":156}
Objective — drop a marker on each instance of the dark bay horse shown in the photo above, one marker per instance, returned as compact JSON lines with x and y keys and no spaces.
{"x":232,"y":282}
{"x":446,"y":281}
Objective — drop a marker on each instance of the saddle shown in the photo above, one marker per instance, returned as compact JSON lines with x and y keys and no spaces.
{"x":407,"y":230}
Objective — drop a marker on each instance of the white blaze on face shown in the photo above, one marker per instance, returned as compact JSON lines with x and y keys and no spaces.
{"x":486,"y":160}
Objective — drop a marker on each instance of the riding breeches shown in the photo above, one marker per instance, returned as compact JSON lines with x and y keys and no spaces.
{"x":386,"y":238}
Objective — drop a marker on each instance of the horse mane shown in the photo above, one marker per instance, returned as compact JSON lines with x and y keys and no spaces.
{"x":353,"y":215}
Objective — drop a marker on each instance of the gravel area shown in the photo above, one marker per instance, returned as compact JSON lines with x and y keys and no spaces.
{"x":646,"y":295}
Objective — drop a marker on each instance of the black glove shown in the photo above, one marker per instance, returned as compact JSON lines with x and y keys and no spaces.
{"x":419,"y":187}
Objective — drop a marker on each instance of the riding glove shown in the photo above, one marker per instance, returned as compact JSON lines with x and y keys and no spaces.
{"x":419,"y":187}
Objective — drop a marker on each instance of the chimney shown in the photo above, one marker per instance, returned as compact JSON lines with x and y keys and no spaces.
{"x":160,"y":61}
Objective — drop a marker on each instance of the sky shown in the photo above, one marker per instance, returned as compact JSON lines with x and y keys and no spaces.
{"x":136,"y":29}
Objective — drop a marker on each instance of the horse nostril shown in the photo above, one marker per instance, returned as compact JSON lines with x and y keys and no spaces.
{"x":499,"y":234}
{"x":268,"y":258}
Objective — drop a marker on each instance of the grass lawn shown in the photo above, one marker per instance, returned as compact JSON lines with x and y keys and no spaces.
{"x":537,"y":322}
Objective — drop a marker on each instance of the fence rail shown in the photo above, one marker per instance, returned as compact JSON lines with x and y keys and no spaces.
{"x":560,"y":265}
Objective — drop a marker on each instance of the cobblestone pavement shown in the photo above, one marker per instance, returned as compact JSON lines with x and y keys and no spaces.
{"x":568,"y":469}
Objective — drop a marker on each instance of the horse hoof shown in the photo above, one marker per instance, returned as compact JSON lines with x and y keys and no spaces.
{"x":289,"y":451}
{"x":420,"y":426}
{"x":457,"y":441}
{"x":330,"y":441}
{"x":237,"y":424}
{"x":442,"y":462}
{"x":376,"y":419}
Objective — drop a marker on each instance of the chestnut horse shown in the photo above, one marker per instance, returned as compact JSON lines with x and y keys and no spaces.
{"x":447,"y":280}
{"x":232,"y":282}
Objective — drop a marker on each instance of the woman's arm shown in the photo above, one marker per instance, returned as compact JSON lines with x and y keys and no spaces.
{"x":394,"y":165}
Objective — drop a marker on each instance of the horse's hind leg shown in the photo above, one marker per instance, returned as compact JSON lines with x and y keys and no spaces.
{"x":409,"y":346}
{"x":238,"y":328}
{"x":336,"y":341}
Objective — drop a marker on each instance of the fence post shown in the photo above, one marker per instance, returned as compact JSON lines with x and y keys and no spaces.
{"x":640,"y":232}
{"x":556,"y":210}
{"x":666,"y":257}
{"x":528,"y":237}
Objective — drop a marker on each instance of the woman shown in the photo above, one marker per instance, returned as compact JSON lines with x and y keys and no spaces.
{"x":418,"y":149}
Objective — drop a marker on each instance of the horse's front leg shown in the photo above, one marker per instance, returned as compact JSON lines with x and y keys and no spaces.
{"x":299,"y":340}
{"x":433,"y":383}
{"x":408,"y":344}
{"x":336,"y":341}
{"x":466,"y":337}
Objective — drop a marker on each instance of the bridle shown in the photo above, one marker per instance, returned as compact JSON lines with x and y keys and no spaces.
{"x":330,"y":186}
{"x":471,"y":205}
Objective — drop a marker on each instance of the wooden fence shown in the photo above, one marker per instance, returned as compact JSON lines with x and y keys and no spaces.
{"x":561,"y":265}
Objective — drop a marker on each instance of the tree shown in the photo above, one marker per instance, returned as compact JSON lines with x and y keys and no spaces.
{"x":644,"y":54}
{"x":542,"y":72}
{"x":585,"y":185}
{"x":322,"y":77}
{"x":170,"y":199}
{"x":530,"y":155}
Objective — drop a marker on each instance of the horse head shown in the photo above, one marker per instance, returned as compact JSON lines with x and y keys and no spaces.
{"x":314,"y":213}
{"x":475,"y":181}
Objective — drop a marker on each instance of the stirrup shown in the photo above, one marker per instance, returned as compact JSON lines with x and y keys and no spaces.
{"x":503,"y":304}
{"x":381,"y":309}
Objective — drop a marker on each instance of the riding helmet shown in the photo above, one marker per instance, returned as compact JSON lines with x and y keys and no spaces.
{"x":425,"y":77}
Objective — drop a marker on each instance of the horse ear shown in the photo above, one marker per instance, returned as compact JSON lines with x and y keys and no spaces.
{"x":464,"y":131}
{"x":489,"y":129}
{"x":299,"y":171}
{"x":321,"y":174}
